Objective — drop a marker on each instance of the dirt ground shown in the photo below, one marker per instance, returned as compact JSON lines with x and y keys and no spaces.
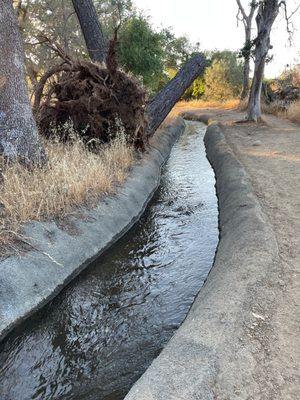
{"x":270,"y":153}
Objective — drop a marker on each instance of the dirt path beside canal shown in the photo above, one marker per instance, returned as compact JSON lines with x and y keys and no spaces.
{"x":270,"y":154}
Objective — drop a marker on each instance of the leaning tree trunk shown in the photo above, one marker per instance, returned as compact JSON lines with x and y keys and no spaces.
{"x":18,"y":133}
{"x":266,"y":15}
{"x":91,"y":29}
{"x":164,"y":101}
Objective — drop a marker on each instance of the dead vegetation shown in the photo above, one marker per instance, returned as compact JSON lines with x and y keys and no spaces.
{"x":293,"y":112}
{"x":74,"y":177}
{"x":97,"y":98}
{"x":183,"y":106}
{"x":290,"y":112}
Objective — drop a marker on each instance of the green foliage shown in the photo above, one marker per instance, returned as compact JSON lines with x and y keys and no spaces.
{"x":224,"y":77}
{"x":151,"y":54}
{"x":141,"y":51}
{"x":222,"y":80}
{"x":198,"y":88}
{"x":176,"y":49}
{"x":55,"y":20}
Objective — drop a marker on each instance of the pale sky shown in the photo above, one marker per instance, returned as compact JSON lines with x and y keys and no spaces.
{"x":213,"y":24}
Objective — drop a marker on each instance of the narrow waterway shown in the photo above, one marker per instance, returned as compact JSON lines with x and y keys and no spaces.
{"x":102,"y":332}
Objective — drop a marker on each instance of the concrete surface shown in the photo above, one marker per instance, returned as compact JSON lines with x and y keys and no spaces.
{"x":240,"y":339}
{"x":29,"y":281}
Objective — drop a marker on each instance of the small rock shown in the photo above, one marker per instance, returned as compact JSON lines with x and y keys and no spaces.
{"x":256,"y":143}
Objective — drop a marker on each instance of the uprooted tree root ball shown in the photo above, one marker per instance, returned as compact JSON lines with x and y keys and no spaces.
{"x":96,"y":99}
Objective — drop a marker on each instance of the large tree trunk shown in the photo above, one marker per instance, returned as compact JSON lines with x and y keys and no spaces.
{"x":266,"y":15}
{"x":91,"y":29}
{"x":18,"y":133}
{"x":164,"y":101}
{"x":254,"y":106}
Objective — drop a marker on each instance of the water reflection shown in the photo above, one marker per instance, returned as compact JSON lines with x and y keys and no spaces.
{"x":101,"y":333}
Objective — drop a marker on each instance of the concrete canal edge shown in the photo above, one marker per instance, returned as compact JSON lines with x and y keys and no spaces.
{"x":216,"y":351}
{"x":30,"y":280}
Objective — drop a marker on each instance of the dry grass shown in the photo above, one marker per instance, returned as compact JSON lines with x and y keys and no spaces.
{"x":73,"y":177}
{"x":182,"y":106}
{"x":293,"y":112}
{"x":276,"y":108}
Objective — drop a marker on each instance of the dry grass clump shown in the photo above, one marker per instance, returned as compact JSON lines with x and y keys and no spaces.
{"x":273,"y":108}
{"x":183,"y":106}
{"x":293,"y":112}
{"x":277,"y":108}
{"x":74,"y":176}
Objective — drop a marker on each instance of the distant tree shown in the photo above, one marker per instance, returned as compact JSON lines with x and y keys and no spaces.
{"x":224,"y":77}
{"x":141,"y":50}
{"x":267,"y":13}
{"x":56,"y":20}
{"x":18,"y":133}
{"x":246,"y":50}
{"x":177,"y":50}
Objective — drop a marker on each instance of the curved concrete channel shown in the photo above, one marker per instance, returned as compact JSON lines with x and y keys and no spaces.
{"x":215,"y":352}
{"x":97,"y":337}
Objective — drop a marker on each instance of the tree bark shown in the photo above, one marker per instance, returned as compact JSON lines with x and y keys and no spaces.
{"x":246,"y":51}
{"x":160,"y":106}
{"x":246,"y":85}
{"x":91,"y":29}
{"x":18,"y":132}
{"x":246,"y":67}
{"x":266,"y":15}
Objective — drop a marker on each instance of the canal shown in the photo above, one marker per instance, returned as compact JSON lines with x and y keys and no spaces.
{"x":100,"y":334}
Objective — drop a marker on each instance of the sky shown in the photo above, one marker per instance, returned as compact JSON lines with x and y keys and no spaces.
{"x":213,"y":23}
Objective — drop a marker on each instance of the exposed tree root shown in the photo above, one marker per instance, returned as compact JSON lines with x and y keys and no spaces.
{"x":97,"y":99}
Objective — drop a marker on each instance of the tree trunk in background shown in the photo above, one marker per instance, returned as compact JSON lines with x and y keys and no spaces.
{"x":246,"y":51}
{"x":266,"y":15}
{"x":160,"y":106}
{"x":91,"y":29}
{"x":18,"y":132}
{"x":246,"y":67}
{"x":246,"y":85}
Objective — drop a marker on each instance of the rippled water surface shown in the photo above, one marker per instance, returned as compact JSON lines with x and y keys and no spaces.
{"x":101,"y":333}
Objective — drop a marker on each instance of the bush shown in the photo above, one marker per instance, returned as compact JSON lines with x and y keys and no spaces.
{"x":223,"y":80}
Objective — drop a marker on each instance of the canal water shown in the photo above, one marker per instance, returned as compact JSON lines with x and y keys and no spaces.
{"x":100,"y":334}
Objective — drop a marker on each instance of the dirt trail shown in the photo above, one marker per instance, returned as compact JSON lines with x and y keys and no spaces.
{"x":270,"y":154}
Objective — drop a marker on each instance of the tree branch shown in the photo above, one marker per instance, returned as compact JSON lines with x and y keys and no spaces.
{"x":289,"y":24}
{"x":241,"y":9}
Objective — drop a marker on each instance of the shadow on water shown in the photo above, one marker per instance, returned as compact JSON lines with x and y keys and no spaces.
{"x":99,"y":335}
